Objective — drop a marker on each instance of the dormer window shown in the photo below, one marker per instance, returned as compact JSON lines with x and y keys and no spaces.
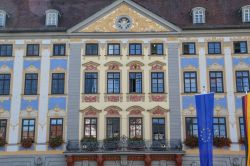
{"x":246,"y":13}
{"x":2,"y":18}
{"x":52,"y":17}
{"x":198,"y":14}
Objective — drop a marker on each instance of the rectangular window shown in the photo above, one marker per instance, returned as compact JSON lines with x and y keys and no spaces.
{"x":135,"y":127}
{"x":91,"y":83}
{"x":3,"y":128}
{"x":242,"y":127}
{"x":113,"y":128}
{"x":59,"y":49}
{"x":188,"y":48}
{"x":190,"y":82}
{"x":191,"y":126}
{"x":31,"y":81}
{"x":6,"y":50}
{"x":157,"y":82}
{"x":90,"y":127}
{"x":113,"y":82}
{"x":91,"y":49}
{"x":216,"y":81}
{"x":5,"y":84}
{"x":156,"y":49}
{"x":219,"y":125}
{"x":214,"y":48}
{"x":32,"y":50}
{"x":135,"y":82}
{"x":246,"y":15}
{"x":56,"y":127}
{"x":135,"y":49}
{"x":113,"y":49}
{"x":58,"y":83}
{"x":158,"y":128}
{"x":242,"y":81}
{"x":240,"y":47}
{"x":28,"y":129}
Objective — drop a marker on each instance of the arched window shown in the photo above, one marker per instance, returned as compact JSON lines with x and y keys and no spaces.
{"x":52,"y":17}
{"x":199,"y":16}
{"x":246,"y":13}
{"x":2,"y":18}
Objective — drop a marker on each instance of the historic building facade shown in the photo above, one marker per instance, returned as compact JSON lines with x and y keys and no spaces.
{"x":113,"y":82}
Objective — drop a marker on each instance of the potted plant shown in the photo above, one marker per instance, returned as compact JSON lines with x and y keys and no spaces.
{"x":55,"y":142}
{"x":2,"y":142}
{"x":220,"y":142}
{"x":242,"y":140}
{"x":111,"y":143}
{"x":191,"y":141}
{"x":89,"y":144}
{"x":136,"y":143}
{"x":27,"y":142}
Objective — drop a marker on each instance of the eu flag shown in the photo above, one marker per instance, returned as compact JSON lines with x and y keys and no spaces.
{"x":204,"y":110}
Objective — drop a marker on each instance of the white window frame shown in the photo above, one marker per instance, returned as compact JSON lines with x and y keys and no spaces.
{"x":2,"y":18}
{"x":199,"y":15}
{"x":52,"y":17}
{"x":246,"y":13}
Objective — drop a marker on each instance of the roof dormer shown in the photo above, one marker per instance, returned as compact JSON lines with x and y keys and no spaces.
{"x":3,"y":15}
{"x":199,"y":15}
{"x":52,"y":16}
{"x":245,"y":13}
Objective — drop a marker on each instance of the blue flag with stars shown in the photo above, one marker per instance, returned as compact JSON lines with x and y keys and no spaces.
{"x":204,"y":111}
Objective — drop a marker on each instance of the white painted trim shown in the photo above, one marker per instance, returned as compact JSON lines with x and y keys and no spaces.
{"x":43,"y":99}
{"x":16,"y":100}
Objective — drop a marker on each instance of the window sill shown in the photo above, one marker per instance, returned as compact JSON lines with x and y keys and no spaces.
{"x":186,"y":55}
{"x":32,"y":56}
{"x":91,"y":55}
{"x":213,"y":55}
{"x":113,"y":55}
{"x":135,"y":55}
{"x":189,"y":94}
{"x":29,"y":95}
{"x":4,"y":56}
{"x":6,"y":96}
{"x":240,"y":54}
{"x":157,"y":55}
{"x":59,"y":57}
{"x":64,"y":94}
{"x":240,"y":93}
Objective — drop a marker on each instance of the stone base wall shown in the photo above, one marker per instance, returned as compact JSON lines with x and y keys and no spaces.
{"x":33,"y":160}
{"x":59,"y":160}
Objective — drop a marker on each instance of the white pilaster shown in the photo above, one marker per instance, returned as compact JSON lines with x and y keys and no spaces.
{"x":230,"y":97}
{"x":43,"y":100}
{"x":16,"y":98}
{"x":202,"y":66}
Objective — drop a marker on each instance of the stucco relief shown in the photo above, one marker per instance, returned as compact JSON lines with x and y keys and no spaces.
{"x":90,"y":111}
{"x":91,"y":66}
{"x":113,"y":65}
{"x":157,"y":66}
{"x":215,"y":66}
{"x":32,"y":68}
{"x":139,"y":23}
{"x":135,"y":110}
{"x":158,"y":110}
{"x":135,"y":65}
{"x":5,"y":68}
{"x":113,"y":111}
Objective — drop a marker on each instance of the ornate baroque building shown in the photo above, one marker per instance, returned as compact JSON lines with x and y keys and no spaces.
{"x":112,"y":82}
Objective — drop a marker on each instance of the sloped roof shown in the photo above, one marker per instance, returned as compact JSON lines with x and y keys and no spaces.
{"x":29,"y":15}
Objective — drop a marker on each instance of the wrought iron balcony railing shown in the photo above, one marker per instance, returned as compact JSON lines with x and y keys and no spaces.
{"x":123,"y":145}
